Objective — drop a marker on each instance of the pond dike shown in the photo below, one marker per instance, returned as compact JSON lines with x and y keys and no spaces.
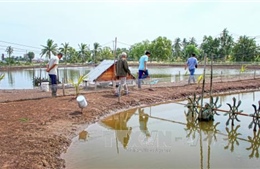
{"x":36,"y":131}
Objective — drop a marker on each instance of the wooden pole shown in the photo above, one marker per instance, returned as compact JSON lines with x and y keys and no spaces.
{"x":221,"y":76}
{"x":63,"y":86}
{"x":211,"y":75}
{"x":114,"y":74}
{"x":203,"y":86}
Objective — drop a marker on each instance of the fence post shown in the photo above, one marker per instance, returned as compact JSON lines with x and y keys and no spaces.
{"x":119,"y":93}
{"x":221,"y":76}
{"x":63,"y":86}
{"x":203,"y":85}
{"x":254,"y":73}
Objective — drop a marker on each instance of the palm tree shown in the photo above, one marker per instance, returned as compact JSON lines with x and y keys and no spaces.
{"x":65,"y":49}
{"x":193,"y":42}
{"x":226,"y":44}
{"x":30,"y":55}
{"x":50,"y":48}
{"x":177,"y":47}
{"x":97,"y":48}
{"x":83,"y":48}
{"x":184,"y":43}
{"x":245,"y":49}
{"x":9,"y":51}
{"x":106,"y":53}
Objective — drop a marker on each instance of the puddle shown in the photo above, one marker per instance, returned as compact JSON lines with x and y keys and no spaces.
{"x":161,"y":137}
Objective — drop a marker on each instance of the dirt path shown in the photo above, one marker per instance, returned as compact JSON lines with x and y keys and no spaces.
{"x":36,"y":129}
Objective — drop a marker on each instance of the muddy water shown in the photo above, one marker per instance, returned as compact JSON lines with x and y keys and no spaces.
{"x":161,"y":137}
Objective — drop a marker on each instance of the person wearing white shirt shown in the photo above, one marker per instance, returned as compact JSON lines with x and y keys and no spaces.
{"x":52,"y":69}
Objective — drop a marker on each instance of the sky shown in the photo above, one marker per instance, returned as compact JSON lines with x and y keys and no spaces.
{"x":26,"y":25}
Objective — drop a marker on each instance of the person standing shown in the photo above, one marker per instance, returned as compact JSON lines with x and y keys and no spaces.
{"x":142,"y":70}
{"x":52,"y":69}
{"x":191,"y":63}
{"x":122,"y":70}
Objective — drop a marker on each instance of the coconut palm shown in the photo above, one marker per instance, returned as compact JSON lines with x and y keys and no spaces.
{"x":226,"y":44}
{"x":177,"y":47}
{"x":30,"y":55}
{"x":245,"y":49}
{"x":106,"y":53}
{"x":193,"y":42}
{"x":83,"y":51}
{"x":50,"y":48}
{"x":97,"y":48}
{"x":9,"y":51}
{"x":65,"y":50}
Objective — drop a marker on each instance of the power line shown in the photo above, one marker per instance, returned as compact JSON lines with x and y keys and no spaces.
{"x":19,"y":44}
{"x":107,"y":43}
{"x":124,"y":43}
{"x":21,"y":49}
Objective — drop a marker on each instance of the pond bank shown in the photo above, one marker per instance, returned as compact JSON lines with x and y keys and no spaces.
{"x":36,"y":128}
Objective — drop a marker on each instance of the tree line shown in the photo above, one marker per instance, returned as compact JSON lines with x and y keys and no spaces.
{"x":223,"y":48}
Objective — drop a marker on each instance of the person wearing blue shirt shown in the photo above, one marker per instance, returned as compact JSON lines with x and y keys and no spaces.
{"x":142,"y":70}
{"x":191,"y":63}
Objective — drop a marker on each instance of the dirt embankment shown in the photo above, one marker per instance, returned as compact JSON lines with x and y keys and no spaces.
{"x":36,"y":129}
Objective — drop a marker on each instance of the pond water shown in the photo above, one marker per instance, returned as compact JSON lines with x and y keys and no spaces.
{"x":160,"y":136}
{"x":23,"y":79}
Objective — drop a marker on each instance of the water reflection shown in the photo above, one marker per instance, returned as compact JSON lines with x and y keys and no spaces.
{"x":83,"y":135}
{"x":10,"y":78}
{"x":118,"y":122}
{"x":23,"y":79}
{"x":232,"y":137}
{"x":255,"y":143}
{"x":145,"y":138}
{"x":143,"y":119}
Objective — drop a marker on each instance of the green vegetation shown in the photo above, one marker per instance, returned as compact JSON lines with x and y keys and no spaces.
{"x":223,"y":49}
{"x":200,"y":78}
{"x":76,"y":85}
{"x":24,"y":119}
{"x":243,"y":68}
{"x":2,"y":76}
{"x":50,"y":48}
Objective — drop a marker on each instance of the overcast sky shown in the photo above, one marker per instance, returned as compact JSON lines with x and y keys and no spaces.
{"x":32,"y":22}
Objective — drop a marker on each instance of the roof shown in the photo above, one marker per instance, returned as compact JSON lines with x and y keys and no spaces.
{"x":97,"y":71}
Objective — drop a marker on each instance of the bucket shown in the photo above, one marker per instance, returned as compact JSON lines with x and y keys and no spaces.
{"x":82,"y":101}
{"x":45,"y":86}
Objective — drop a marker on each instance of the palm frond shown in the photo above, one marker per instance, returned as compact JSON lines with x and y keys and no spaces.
{"x":2,"y":76}
{"x":76,"y":84}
